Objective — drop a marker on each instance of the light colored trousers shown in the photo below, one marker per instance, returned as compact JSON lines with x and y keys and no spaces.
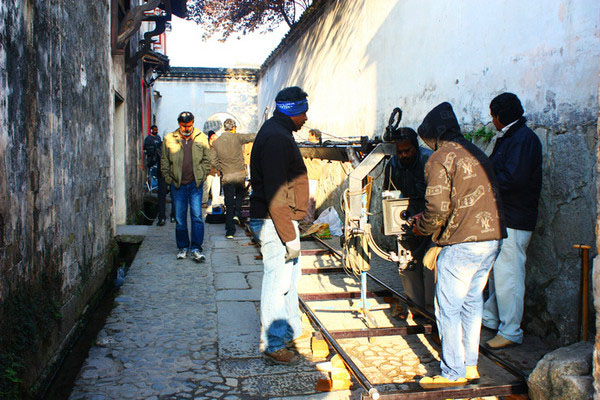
{"x":211,"y":185}
{"x":503,"y":310}
{"x":462,"y":271}
{"x":279,"y":314}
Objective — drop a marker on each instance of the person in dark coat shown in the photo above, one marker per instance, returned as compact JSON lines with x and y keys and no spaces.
{"x":279,"y":200}
{"x":517,"y":159}
{"x":153,"y":150}
{"x":405,"y":171}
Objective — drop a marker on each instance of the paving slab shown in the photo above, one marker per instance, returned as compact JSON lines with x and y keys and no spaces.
{"x":237,"y":323}
{"x":231,"y":280}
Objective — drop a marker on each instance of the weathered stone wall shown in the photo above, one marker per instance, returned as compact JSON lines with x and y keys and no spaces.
{"x":56,"y":184}
{"x":358,"y":60}
{"x":136,"y":131}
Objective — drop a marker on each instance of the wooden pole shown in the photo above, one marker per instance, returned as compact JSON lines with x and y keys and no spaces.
{"x":584,"y":290}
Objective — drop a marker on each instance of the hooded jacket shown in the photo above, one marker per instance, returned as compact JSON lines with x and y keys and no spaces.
{"x":462,"y":202}
{"x":171,"y":162}
{"x":278,"y":176}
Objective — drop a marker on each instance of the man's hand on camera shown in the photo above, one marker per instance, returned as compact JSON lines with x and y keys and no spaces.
{"x":292,"y":249}
{"x":415,"y":220}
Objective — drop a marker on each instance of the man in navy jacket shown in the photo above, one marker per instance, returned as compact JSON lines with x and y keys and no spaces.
{"x":279,"y":200}
{"x":517,"y":160}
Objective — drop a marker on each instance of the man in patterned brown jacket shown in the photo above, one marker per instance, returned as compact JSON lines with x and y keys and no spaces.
{"x":463,"y":216}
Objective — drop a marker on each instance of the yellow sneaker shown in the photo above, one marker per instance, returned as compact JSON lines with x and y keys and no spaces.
{"x":472,"y":373}
{"x":438,"y":381}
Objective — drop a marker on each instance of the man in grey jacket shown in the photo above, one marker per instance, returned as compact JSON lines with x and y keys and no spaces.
{"x":228,"y":159}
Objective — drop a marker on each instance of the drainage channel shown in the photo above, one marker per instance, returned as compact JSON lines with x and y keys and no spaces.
{"x":60,"y":384}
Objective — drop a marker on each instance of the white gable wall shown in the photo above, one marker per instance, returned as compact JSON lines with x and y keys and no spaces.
{"x":204,"y":98}
{"x":363,"y":58}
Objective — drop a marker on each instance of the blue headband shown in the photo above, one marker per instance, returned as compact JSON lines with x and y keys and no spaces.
{"x":291,"y":108}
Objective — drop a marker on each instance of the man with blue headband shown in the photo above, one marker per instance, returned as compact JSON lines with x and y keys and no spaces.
{"x":279,"y":200}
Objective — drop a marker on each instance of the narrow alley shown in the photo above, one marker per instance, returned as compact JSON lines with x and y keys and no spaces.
{"x":184,"y":330}
{"x":85,"y":84}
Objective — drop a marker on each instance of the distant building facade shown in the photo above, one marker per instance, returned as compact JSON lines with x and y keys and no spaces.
{"x":211,"y":94}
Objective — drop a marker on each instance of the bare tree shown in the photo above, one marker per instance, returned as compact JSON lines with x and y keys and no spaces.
{"x":244,"y":16}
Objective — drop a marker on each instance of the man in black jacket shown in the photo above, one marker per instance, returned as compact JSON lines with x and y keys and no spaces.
{"x":279,"y":200}
{"x":405,"y":171}
{"x":517,"y":160}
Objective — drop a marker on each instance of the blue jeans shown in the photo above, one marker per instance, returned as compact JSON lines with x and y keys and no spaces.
{"x":462,"y":272}
{"x":503,"y":310}
{"x":188,"y":194}
{"x":279,"y":312}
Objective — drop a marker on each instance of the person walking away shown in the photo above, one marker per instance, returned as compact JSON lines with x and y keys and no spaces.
{"x":228,"y":159}
{"x":517,"y":160}
{"x":463,"y":215}
{"x":279,"y":200}
{"x":185,"y":164}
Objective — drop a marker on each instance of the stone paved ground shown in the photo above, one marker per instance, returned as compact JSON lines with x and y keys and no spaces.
{"x":181,"y":330}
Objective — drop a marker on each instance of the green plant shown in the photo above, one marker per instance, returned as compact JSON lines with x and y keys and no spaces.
{"x":11,"y":373}
{"x":480,"y":133}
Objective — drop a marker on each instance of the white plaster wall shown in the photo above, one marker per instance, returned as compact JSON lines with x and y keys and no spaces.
{"x":364,"y":57}
{"x":236,"y":97}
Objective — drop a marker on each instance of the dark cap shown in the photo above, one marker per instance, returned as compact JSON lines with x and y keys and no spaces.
{"x":185,"y":116}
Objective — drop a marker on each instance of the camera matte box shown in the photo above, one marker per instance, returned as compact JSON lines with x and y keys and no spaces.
{"x":392,"y":215}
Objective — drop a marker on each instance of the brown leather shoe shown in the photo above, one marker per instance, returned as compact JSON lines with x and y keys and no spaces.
{"x":281,"y":356}
{"x":499,"y":342}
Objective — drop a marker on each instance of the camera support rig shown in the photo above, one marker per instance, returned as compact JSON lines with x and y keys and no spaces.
{"x":358,"y":240}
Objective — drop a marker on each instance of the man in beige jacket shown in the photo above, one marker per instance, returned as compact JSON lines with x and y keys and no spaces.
{"x":184,"y":164}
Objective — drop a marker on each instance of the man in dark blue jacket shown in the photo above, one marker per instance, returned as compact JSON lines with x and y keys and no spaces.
{"x":405,"y":171}
{"x":517,"y":159}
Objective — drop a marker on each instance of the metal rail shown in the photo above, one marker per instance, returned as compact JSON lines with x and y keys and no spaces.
{"x":487,"y":353}
{"x":360,"y":377}
{"x":467,"y":391}
{"x":462,"y":392}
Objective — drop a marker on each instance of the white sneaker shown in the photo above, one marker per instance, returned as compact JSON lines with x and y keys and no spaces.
{"x":237,"y":221}
{"x":182,"y":254}
{"x":197,"y":256}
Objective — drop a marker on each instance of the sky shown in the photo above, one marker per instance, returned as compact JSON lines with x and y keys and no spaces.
{"x":185,"y":47}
